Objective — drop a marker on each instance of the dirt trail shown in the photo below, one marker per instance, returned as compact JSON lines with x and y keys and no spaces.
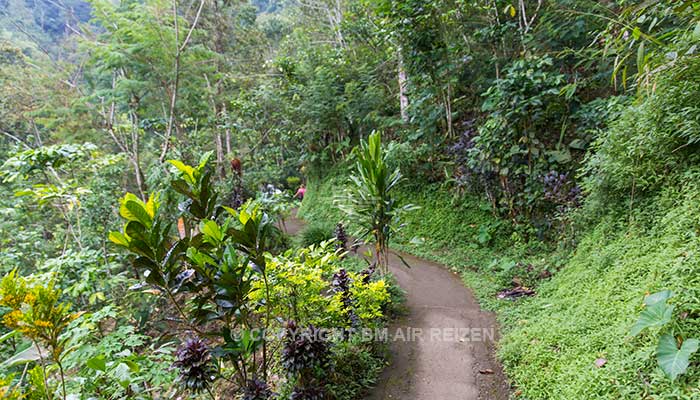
{"x":454,"y":359}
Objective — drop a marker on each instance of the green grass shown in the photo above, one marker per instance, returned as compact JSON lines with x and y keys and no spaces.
{"x":315,"y":233}
{"x":586,"y":310}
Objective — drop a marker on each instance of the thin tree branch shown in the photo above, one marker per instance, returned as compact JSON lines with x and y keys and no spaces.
{"x":194,"y":25}
{"x":16,"y":139}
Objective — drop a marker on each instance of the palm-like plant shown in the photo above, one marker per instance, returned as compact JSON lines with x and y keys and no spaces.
{"x":369,"y":201}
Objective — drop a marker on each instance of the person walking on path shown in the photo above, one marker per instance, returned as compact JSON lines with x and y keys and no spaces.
{"x":300,"y":192}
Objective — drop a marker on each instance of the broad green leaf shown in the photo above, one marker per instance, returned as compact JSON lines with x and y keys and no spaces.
{"x":559,"y":156}
{"x":122,"y":373}
{"x":199,"y":258}
{"x":672,"y":360}
{"x":246,"y":213}
{"x":25,"y":356}
{"x":187,"y":172}
{"x":636,"y":33}
{"x":663,"y":295}
{"x":182,"y":187}
{"x":97,"y":296}
{"x":135,"y":230}
{"x":640,"y":57}
{"x":119,"y":238}
{"x":24,"y":192}
{"x":138,"y":212}
{"x":98,"y":363}
{"x":132,"y":366}
{"x":204,"y":159}
{"x":152,"y":204}
{"x":211,"y":229}
{"x":123,"y":211}
{"x":230,"y":210}
{"x":656,"y":315}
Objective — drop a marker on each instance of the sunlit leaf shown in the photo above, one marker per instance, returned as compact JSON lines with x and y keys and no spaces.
{"x":119,"y":238}
{"x":656,"y":315}
{"x":672,"y":360}
{"x":98,"y":363}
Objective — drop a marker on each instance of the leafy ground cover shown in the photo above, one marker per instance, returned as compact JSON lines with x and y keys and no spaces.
{"x":573,"y":339}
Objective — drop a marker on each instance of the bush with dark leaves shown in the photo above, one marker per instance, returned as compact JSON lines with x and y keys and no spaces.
{"x":256,"y":389}
{"x":304,"y":349}
{"x":341,"y":284}
{"x":309,"y":393}
{"x":465,"y":142}
{"x":193,"y":359}
{"x":341,"y":237}
{"x":561,"y":190}
{"x":367,"y":273}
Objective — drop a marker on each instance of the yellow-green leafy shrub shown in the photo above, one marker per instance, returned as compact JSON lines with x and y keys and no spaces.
{"x":300,"y":288}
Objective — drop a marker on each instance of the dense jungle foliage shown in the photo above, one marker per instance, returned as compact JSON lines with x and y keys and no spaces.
{"x":151,"y":149}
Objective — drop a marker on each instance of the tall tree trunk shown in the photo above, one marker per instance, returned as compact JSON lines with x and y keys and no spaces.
{"x":129,"y":143}
{"x":228,"y":132}
{"x":448,"y":110}
{"x":403,"y":87}
{"x":220,"y":154}
{"x":136,"y":155}
{"x":218,"y":103}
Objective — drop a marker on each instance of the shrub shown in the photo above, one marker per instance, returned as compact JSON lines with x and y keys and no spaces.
{"x":226,"y":285}
{"x":302,"y":288}
{"x":652,"y":142}
{"x":194,"y":361}
{"x":315,"y":233}
{"x":521,"y":137}
{"x":293,"y":182}
{"x":370,"y":200}
{"x":356,"y":367}
{"x":37,"y":312}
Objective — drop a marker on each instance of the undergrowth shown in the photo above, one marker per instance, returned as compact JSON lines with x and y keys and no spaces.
{"x":553,"y":344}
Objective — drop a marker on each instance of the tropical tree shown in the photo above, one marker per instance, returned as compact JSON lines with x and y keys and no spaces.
{"x":369,"y":202}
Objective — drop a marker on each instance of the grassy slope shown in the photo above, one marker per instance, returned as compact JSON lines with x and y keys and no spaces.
{"x":586,"y":310}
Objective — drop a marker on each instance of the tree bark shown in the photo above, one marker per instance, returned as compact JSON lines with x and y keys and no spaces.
{"x":403,"y":88}
{"x":219,"y":154}
{"x":228,"y":132}
{"x":136,"y":156}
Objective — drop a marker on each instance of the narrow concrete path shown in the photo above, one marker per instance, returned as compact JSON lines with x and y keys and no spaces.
{"x":443,"y":349}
